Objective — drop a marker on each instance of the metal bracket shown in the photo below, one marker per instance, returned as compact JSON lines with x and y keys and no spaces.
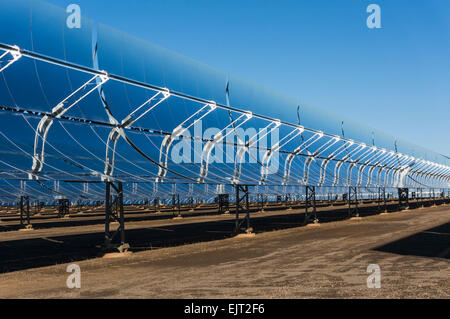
{"x":46,"y":122}
{"x":129,"y":120}
{"x":365,"y":164}
{"x":269,"y":153}
{"x":244,"y":148}
{"x":312,"y":156}
{"x":178,"y":131}
{"x":338,"y":166}
{"x":384,"y":156}
{"x":354,"y":163}
{"x":325,"y":162}
{"x":218,"y":138}
{"x":15,"y":56}
{"x":288,"y":162}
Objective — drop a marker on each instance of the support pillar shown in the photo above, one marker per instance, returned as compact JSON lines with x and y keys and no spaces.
{"x":288,"y":201}
{"x":224,"y":203}
{"x":261,"y":202}
{"x":242,"y":204}
{"x":403,"y":198}
{"x":157,"y":205}
{"x":114,"y":214}
{"x":434,"y":199}
{"x":176,"y":206}
{"x":384,"y":200}
{"x":191,"y":203}
{"x":311,"y":199}
{"x":24,"y":207}
{"x":353,"y":202}
{"x":63,"y":207}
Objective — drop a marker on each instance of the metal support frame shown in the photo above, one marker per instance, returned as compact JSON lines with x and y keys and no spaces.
{"x":15,"y":56}
{"x":303,"y":146}
{"x":403,"y":198}
{"x":312,"y":156}
{"x":176,"y":205}
{"x":176,"y":133}
{"x":242,"y":204}
{"x":59,"y":110}
{"x":63,"y":207}
{"x":223,"y":201}
{"x":245,"y":148}
{"x":353,"y":202}
{"x":287,"y":200}
{"x":381,"y":198}
{"x":157,"y":204}
{"x":119,"y":130}
{"x":365,"y":162}
{"x":16,"y":53}
{"x":218,"y":138}
{"x":310,"y":197}
{"x":353,"y":164}
{"x":333,"y":155}
{"x":276,"y":148}
{"x":262,"y":200}
{"x":24,"y":207}
{"x":38,"y":206}
{"x":190,"y":202}
{"x":114,"y":213}
{"x":345,"y":159}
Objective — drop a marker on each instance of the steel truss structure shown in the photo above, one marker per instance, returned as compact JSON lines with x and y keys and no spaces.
{"x":143,"y":144}
{"x":355,"y":164}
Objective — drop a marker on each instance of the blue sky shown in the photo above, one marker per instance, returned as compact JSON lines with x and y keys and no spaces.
{"x":396,"y":79}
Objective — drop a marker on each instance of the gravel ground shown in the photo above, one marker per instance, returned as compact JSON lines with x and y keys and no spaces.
{"x":412,"y":249}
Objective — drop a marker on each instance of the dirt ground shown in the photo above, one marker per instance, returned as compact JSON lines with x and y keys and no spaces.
{"x":412,"y":249}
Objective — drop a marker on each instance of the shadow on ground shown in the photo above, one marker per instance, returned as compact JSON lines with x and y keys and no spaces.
{"x":46,"y":251}
{"x":434,"y":242}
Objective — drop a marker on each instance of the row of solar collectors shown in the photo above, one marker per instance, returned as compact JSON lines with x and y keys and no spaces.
{"x":76,"y":150}
{"x":150,"y":194}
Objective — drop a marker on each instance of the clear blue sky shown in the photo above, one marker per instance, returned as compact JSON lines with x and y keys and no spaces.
{"x":396,"y":79}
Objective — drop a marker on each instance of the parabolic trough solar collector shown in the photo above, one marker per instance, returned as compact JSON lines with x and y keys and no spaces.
{"x":94,"y":103}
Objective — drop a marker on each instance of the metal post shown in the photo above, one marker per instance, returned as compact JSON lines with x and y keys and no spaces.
{"x":379,"y":200}
{"x":63,"y":207}
{"x":237,"y":210}
{"x":191,"y":203}
{"x":176,"y":205}
{"x":417,"y":197}
{"x":306,"y":202}
{"x":21,"y":210}
{"x":247,"y":209}
{"x":242,"y":203}
{"x":261,"y":202}
{"x":316,"y":220}
{"x":114,"y":213}
{"x":224,"y":203}
{"x":403,"y":198}
{"x":24,"y":207}
{"x":156,"y":202}
{"x":353,"y":212}
{"x":311,"y":198}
